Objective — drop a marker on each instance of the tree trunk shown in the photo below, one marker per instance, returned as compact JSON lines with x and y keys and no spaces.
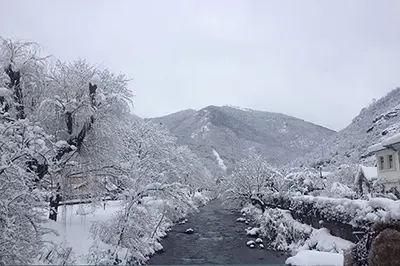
{"x":15,"y":86}
{"x":54,"y":203}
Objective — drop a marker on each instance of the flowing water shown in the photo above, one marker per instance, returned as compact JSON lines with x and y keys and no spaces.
{"x":217,"y":239}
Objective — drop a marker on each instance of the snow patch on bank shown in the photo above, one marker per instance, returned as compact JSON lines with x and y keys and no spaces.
{"x":315,"y":258}
{"x":322,"y":240}
{"x":219,"y":160}
{"x":284,"y":233}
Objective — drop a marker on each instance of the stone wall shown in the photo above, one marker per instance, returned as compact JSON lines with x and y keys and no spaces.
{"x":342,"y":230}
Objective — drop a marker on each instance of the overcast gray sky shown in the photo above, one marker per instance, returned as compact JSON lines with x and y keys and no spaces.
{"x":320,"y":60}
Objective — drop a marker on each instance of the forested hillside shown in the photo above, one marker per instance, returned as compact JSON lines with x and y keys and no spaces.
{"x":381,"y":119}
{"x":222,"y":136}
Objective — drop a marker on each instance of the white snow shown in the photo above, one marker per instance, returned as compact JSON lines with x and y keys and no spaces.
{"x":253,"y":231}
{"x":241,"y":219}
{"x":74,"y":228}
{"x":4,"y":92}
{"x":370,"y":173}
{"x":383,"y":208}
{"x":375,"y":148}
{"x":384,"y":144}
{"x":61,"y":144}
{"x":203,"y":130}
{"x":252,"y":246}
{"x":219,"y":160}
{"x":259,"y":240}
{"x":284,"y":128}
{"x":322,"y":240}
{"x":158,"y":246}
{"x":189,"y":231}
{"x":316,"y":258}
{"x":239,"y":108}
{"x":75,"y":221}
{"x":96,"y":79}
{"x":261,"y":246}
{"x":183,"y":221}
{"x":251,"y":242}
{"x":391,"y":140}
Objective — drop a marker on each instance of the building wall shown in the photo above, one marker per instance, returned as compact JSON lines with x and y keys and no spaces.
{"x":390,"y":176}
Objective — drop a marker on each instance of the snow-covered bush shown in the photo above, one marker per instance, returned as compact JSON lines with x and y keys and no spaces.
{"x":358,"y":213}
{"x":301,"y":181}
{"x":279,"y":228}
{"x":339,"y":190}
{"x":344,"y":174}
{"x":138,"y":226}
{"x":199,"y":199}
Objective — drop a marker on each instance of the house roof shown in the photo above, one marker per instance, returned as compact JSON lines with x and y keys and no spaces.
{"x":369,"y":173}
{"x":391,"y":140}
{"x":384,"y":144}
{"x":375,"y":148}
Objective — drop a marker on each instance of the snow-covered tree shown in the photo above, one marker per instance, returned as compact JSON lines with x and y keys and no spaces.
{"x":153,"y":168}
{"x":133,"y":231}
{"x":301,"y":181}
{"x":21,"y":200}
{"x":63,"y":122}
{"x":22,"y":73}
{"x":251,"y":179}
{"x":83,"y":109}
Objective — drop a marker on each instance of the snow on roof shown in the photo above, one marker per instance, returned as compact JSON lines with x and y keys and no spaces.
{"x":391,"y":140}
{"x":384,"y":144}
{"x":375,"y":148}
{"x":370,"y":173}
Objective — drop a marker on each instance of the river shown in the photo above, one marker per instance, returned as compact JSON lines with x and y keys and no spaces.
{"x":217,"y":239}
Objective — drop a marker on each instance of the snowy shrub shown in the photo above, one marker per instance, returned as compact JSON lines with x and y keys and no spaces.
{"x":358,"y":213}
{"x":301,"y":181}
{"x":344,"y":174}
{"x":279,"y":228}
{"x":199,"y":199}
{"x":137,"y":227}
{"x":54,"y":254}
{"x":339,"y":190}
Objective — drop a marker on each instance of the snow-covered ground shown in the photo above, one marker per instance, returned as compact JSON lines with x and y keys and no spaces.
{"x":322,"y":240}
{"x":74,"y":225}
{"x":315,"y":258}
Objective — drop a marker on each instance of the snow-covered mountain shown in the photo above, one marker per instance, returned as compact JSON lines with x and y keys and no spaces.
{"x":376,"y":122}
{"x":224,"y":135}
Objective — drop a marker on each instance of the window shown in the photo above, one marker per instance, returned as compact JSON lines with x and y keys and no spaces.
{"x":381,"y":162}
{"x":390,"y":161}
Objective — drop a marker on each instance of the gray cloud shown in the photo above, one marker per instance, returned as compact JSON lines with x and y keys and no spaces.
{"x":317,"y":60}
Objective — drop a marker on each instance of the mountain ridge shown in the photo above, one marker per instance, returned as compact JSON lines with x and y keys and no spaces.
{"x":228,"y":133}
{"x":379,"y":120}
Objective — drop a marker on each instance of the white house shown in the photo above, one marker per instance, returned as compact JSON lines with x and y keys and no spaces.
{"x":388,"y":162}
{"x":365,"y":178}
